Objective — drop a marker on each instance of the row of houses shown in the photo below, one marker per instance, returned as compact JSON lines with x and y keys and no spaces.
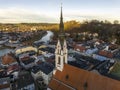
{"x":98,"y":50}
{"x":39,"y":64}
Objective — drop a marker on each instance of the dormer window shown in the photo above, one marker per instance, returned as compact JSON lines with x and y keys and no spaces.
{"x":85,"y":86}
{"x":67,"y":77}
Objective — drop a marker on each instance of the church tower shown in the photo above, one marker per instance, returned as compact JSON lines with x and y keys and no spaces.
{"x":61,"y":51}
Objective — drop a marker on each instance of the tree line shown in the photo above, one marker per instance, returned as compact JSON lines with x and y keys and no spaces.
{"x":106,"y":30}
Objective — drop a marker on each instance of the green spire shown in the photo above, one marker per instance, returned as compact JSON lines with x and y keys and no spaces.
{"x":61,"y":22}
{"x":61,"y":29}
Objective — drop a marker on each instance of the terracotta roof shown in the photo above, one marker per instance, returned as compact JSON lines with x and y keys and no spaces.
{"x":25,"y":58}
{"x":81,"y":48}
{"x":106,"y":54}
{"x":7,"y":59}
{"x":13,"y":67}
{"x":79,"y":79}
{"x":58,"y":86}
{"x":4,"y":86}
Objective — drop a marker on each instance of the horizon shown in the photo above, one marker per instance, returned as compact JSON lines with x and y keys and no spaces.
{"x":80,"y":22}
{"x":46,"y":11}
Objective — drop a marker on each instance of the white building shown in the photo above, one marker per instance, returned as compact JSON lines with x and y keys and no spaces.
{"x":43,"y":70}
{"x":25,"y":49}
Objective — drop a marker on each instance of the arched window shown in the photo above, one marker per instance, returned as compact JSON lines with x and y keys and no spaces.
{"x":58,"y":60}
{"x":64,"y":59}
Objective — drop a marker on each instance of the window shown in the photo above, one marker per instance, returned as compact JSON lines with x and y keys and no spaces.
{"x":67,"y":77}
{"x":58,"y":60}
{"x":85,"y":85}
{"x":64,"y":59}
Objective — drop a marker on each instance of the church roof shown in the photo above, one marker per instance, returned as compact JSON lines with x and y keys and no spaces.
{"x":58,"y":86}
{"x":73,"y":78}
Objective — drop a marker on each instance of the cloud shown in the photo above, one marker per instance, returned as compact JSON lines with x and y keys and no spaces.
{"x":90,"y":16}
{"x":18,"y":15}
{"x":15,"y":15}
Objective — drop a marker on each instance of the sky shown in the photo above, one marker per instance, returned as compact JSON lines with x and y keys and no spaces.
{"x":48,"y":11}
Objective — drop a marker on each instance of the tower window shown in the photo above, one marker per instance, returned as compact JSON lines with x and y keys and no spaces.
{"x":58,"y":60}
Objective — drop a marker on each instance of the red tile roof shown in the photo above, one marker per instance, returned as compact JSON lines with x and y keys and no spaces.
{"x":25,"y":58}
{"x":74,"y":78}
{"x":81,"y":48}
{"x":7,"y":59}
{"x":106,"y":54}
{"x":4,"y":86}
{"x":57,"y":86}
{"x":12,"y":68}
